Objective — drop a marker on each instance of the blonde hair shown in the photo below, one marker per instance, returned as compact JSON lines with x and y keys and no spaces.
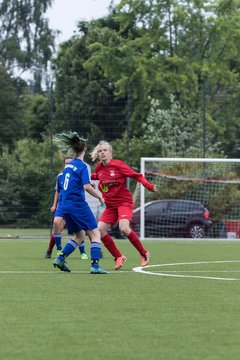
{"x":94,"y":153}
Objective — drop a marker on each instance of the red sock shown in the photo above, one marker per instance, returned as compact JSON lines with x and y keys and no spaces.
{"x":110,"y":245}
{"x":51,"y":243}
{"x":134,"y":239}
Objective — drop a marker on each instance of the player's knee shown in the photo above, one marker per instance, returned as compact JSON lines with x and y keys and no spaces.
{"x":57,"y":225}
{"x":103,"y":229}
{"x":124,"y":229}
{"x":94,"y":235}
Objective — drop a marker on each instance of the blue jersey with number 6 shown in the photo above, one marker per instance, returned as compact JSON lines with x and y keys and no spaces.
{"x":75,"y":175}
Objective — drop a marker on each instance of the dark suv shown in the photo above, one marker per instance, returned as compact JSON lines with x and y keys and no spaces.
{"x":186,"y":218}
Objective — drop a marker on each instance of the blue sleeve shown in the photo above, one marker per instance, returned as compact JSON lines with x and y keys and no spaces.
{"x":85,"y":175}
{"x":57,"y":185}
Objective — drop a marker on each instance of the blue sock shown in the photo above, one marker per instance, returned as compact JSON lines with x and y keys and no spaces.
{"x":58,"y":241}
{"x":95,"y":251}
{"x":69,"y":247}
{"x":82,"y":248}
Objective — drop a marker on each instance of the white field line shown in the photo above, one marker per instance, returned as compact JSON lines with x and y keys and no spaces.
{"x":56,"y":272}
{"x":167,"y":274}
{"x":202,"y":271}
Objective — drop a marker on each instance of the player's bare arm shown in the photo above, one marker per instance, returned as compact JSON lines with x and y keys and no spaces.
{"x":91,"y":191}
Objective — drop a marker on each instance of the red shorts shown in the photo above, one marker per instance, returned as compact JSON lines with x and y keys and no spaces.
{"x":113,"y":215}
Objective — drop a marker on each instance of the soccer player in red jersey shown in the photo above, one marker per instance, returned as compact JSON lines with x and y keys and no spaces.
{"x":112,"y":175}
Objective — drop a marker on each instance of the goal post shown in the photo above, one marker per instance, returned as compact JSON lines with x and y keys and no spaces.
{"x":196,"y":198}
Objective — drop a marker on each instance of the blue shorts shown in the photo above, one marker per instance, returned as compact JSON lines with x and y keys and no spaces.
{"x":59,"y":211}
{"x":80,"y":218}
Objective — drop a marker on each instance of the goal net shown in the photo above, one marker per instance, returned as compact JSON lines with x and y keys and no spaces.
{"x":196,"y":198}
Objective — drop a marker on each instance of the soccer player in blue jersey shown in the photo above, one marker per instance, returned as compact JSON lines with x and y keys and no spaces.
{"x":59,"y":221}
{"x":76,"y":211}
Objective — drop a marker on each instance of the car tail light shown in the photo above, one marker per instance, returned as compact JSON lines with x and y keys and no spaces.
{"x":206,"y":214}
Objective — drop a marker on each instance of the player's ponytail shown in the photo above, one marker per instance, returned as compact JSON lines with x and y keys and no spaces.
{"x":70,"y":140}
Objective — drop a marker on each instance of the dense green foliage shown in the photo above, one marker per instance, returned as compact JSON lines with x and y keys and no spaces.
{"x":156,"y":78}
{"x":25,"y":183}
{"x":26,"y":41}
{"x":148,"y":51}
{"x":10,"y":106}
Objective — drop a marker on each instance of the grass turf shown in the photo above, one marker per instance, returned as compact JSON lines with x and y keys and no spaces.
{"x":124,"y":315}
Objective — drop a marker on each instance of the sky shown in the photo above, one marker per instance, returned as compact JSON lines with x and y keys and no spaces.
{"x":64,"y":14}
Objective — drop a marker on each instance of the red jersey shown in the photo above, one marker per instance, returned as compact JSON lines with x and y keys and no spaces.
{"x":112,"y":182}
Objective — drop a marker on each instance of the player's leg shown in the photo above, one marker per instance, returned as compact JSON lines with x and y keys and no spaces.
{"x":88,"y":222}
{"x":76,"y":221}
{"x":95,"y":251}
{"x":125,"y":215}
{"x":81,"y":247}
{"x":58,"y":225}
{"x":108,"y":217}
{"x":110,"y":245}
{"x":68,"y":249}
{"x":71,"y":245}
{"x":51,"y":244}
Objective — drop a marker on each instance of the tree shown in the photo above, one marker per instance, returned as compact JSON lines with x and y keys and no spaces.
{"x":177,"y":132}
{"x":25,"y":187}
{"x":10,"y":110}
{"x":121,"y":49}
{"x":147,"y":50}
{"x":36,"y":116}
{"x":173,"y":132}
{"x":173,"y":47}
{"x":26,"y":42}
{"x":204,"y":66}
{"x":85,"y":100}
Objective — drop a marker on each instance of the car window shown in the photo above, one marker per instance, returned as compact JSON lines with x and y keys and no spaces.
{"x":176,"y":206}
{"x":156,"y":208}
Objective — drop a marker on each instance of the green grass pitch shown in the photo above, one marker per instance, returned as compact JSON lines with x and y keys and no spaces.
{"x":48,"y":314}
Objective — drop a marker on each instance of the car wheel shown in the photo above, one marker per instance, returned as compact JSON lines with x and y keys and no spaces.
{"x":196,"y":231}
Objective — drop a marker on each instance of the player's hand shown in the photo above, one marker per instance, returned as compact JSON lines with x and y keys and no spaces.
{"x":155,"y":188}
{"x":102,"y":202}
{"x":53,"y":208}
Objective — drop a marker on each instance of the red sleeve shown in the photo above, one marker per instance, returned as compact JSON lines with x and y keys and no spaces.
{"x":94,"y":176}
{"x":129,"y":172}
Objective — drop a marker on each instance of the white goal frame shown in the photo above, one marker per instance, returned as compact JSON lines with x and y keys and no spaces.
{"x":160,"y":159}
